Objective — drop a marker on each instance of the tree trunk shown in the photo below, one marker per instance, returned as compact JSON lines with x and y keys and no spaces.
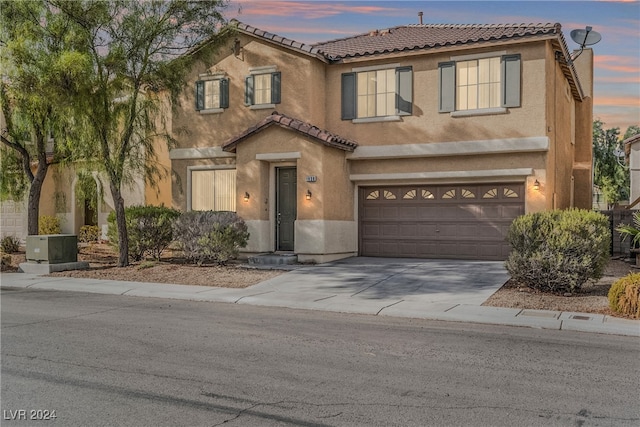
{"x":35,"y":189}
{"x":121,"y":223}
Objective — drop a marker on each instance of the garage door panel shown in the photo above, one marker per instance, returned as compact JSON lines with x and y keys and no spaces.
{"x":465,"y":221}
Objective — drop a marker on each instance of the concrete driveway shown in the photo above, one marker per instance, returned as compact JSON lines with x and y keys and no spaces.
{"x":369,"y":285}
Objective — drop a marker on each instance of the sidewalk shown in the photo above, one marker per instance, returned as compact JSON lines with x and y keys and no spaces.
{"x":270,"y":293}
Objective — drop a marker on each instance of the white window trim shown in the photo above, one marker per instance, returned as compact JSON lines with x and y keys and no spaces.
{"x":262,"y":106}
{"x":376,"y":68}
{"x":212,"y":111}
{"x":377,"y":119}
{"x":263,"y":70}
{"x":201,"y":168}
{"x":471,"y":57}
{"x":394,"y":118}
{"x":212,"y":76}
{"x":480,"y":112}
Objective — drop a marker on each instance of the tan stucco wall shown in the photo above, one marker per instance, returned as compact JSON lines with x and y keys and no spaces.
{"x":311,"y":92}
{"x":427,"y":124}
{"x":302,"y":93}
{"x":583,"y":156}
{"x":332,"y":193}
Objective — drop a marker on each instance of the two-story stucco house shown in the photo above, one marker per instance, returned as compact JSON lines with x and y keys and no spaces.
{"x":412,"y":141}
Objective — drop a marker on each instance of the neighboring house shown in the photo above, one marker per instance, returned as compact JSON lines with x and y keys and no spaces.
{"x":413,"y":141}
{"x":632,"y":151}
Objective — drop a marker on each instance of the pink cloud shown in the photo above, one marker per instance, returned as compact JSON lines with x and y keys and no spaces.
{"x":619,"y":79}
{"x":625,"y":64}
{"x":616,"y":101}
{"x":307,"y":10}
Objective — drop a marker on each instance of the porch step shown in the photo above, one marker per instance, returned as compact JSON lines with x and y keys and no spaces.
{"x":273,"y":259}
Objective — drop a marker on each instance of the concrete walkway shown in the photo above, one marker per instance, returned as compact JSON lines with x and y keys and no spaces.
{"x":448,"y":290}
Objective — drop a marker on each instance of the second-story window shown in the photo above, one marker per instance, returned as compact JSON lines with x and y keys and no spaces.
{"x":483,"y":84}
{"x":262,"y":89}
{"x":212,"y":94}
{"x":478,"y":84}
{"x":377,"y":93}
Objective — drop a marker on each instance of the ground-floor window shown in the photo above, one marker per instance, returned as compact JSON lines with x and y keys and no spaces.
{"x":213,"y":189}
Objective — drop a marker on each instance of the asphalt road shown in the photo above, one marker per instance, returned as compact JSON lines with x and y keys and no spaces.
{"x":101,"y":360}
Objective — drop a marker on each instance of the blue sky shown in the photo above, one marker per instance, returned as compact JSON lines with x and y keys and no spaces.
{"x":617,"y":56}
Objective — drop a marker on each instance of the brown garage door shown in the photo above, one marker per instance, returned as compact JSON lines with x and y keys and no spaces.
{"x":453,"y":221}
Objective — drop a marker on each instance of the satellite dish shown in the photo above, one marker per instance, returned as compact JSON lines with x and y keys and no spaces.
{"x":586,"y":37}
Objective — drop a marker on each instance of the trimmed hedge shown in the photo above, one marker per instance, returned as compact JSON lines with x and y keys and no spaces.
{"x":558,"y":251}
{"x":210,"y":235}
{"x":149,"y":228}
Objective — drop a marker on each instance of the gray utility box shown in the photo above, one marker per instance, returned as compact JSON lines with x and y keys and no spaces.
{"x":52,"y":248}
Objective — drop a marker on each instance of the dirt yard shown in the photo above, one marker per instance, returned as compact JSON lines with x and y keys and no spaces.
{"x":102,"y":260}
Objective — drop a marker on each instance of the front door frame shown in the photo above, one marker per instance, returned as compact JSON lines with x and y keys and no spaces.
{"x":289,"y":218}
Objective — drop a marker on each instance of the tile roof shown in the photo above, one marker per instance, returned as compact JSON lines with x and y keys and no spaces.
{"x":292,"y":44}
{"x":425,"y":36}
{"x":415,"y":37}
{"x":324,"y":137}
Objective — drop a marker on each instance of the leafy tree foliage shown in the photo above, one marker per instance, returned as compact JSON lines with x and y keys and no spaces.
{"x":41,"y":61}
{"x":139,"y":54}
{"x":610,"y":172}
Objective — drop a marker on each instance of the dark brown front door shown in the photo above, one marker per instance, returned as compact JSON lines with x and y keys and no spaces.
{"x":446,"y":221}
{"x":286,"y":212}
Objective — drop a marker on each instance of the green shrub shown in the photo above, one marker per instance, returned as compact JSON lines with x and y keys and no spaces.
{"x":633,"y":231}
{"x":49,"y":225}
{"x":558,"y":251}
{"x":5,"y":262}
{"x":10,"y":244}
{"x":89,"y":233}
{"x":149,"y":230}
{"x":210,"y":236}
{"x":624,"y":296}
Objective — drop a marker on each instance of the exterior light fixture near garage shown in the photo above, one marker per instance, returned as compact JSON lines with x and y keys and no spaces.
{"x":308,"y":195}
{"x":536,"y":185}
{"x":246,"y":196}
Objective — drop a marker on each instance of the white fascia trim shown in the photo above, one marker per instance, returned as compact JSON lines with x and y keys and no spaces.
{"x":278,"y":157}
{"x":453,"y":148}
{"x":375,"y":67}
{"x":520,"y":173}
{"x":198,"y":153}
{"x":478,"y":56}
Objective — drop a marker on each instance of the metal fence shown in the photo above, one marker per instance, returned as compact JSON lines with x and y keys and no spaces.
{"x":617,"y":217}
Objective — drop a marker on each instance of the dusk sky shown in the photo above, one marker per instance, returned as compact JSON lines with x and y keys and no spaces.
{"x":617,"y":56}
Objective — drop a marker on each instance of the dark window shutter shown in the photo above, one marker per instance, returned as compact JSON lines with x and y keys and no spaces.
{"x":447,"y":86}
{"x":511,"y":81}
{"x":348,"y":96}
{"x":224,"y":93}
{"x":248,"y":91}
{"x":199,"y":95}
{"x":404,"y":91}
{"x":275,"y":88}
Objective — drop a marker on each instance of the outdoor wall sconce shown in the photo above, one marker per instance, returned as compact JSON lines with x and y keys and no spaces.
{"x":308,"y":195}
{"x":536,"y":185}
{"x":246,"y":196}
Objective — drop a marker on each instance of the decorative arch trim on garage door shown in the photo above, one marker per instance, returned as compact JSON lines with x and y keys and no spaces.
{"x":438,"y":221}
